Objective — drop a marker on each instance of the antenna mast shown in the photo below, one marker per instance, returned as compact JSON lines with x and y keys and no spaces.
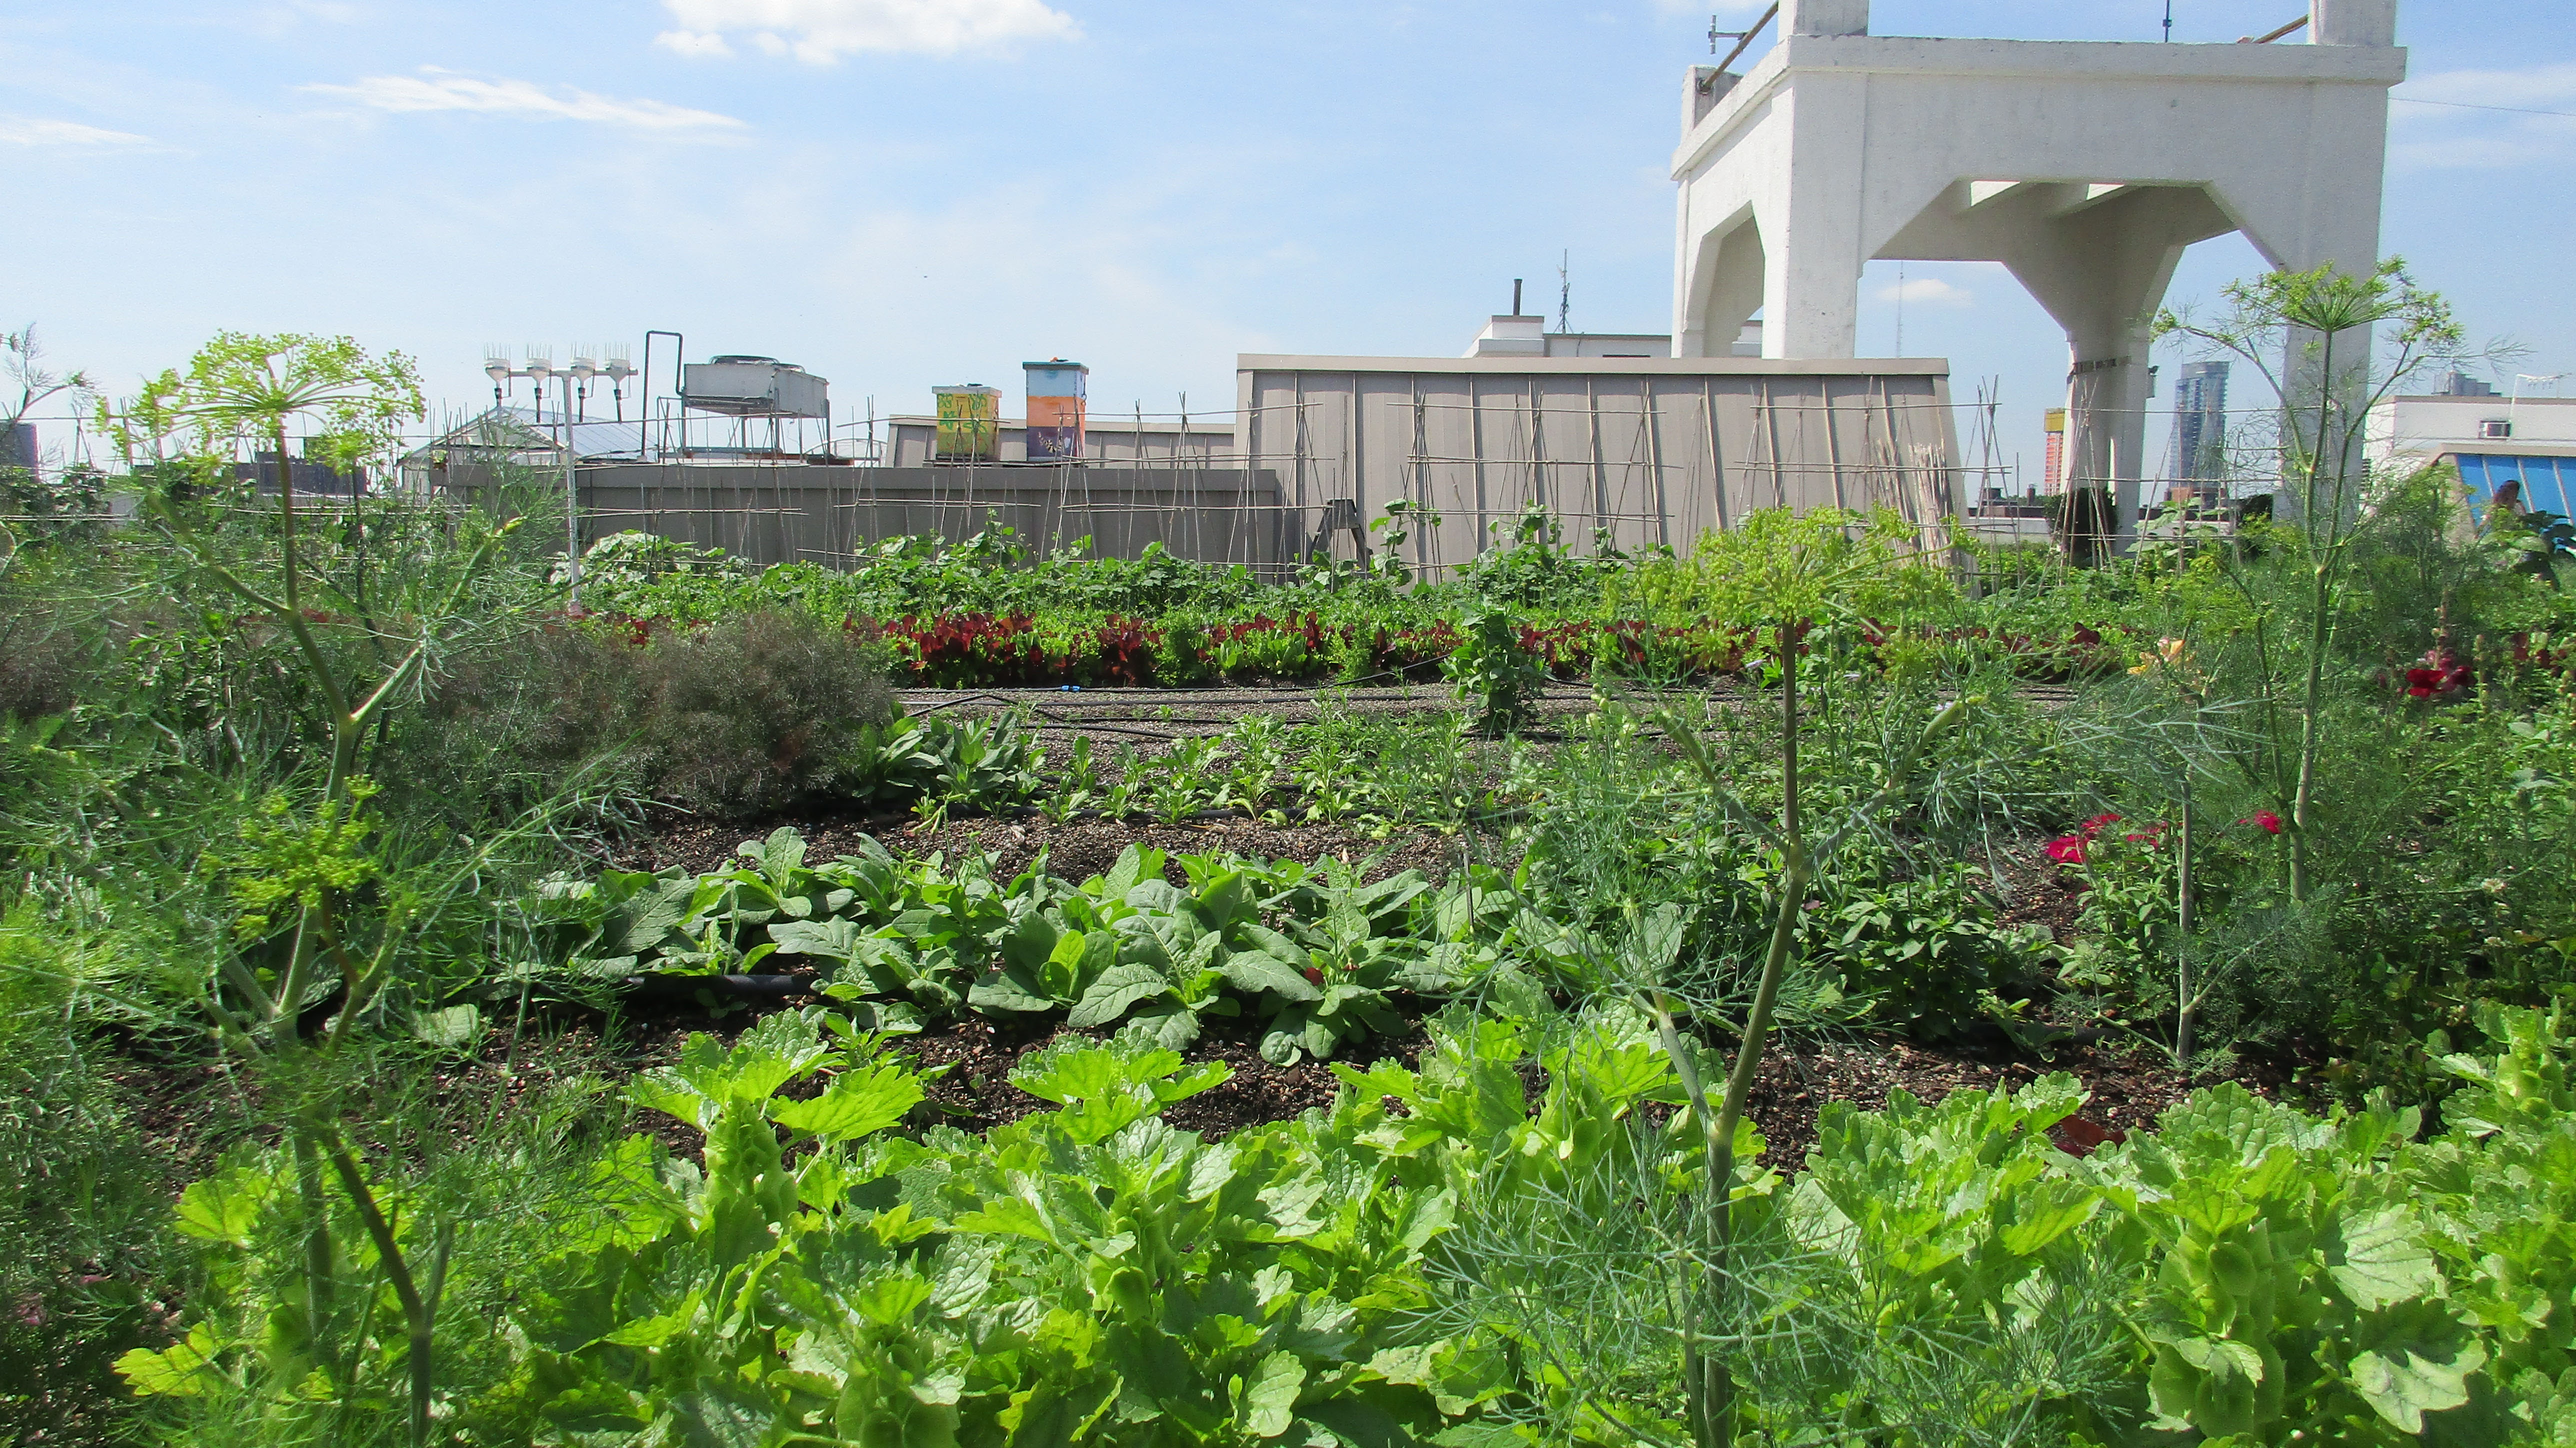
{"x":1564,"y":291}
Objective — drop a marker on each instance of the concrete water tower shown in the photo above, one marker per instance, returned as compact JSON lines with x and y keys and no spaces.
{"x":2085,"y":167}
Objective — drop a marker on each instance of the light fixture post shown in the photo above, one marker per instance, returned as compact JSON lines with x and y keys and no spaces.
{"x":540,"y":366}
{"x":572,"y":506}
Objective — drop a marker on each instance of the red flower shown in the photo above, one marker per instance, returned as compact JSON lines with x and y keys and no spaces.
{"x":2067,"y":849}
{"x":1314,"y":975}
{"x":2267,"y":821}
{"x":2442,"y":672}
{"x":2094,"y":825}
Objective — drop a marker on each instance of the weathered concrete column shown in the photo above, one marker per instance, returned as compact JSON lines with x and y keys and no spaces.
{"x":2352,"y":22}
{"x":2102,"y":276}
{"x":1824,"y":17}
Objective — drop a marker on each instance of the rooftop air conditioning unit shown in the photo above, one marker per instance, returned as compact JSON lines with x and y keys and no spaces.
{"x":744,"y":386}
{"x":2495,"y":428}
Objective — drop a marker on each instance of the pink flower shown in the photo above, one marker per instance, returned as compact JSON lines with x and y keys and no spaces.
{"x":2265,"y":820}
{"x":2067,"y":849}
{"x":2094,"y":825}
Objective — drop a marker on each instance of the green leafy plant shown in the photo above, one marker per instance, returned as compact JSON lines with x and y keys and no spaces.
{"x":1491,"y":671}
{"x":2321,"y":322}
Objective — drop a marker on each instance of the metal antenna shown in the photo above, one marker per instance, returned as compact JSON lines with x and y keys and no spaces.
{"x":1564,"y":291}
{"x":2168,"y":22}
{"x":1900,"y":309}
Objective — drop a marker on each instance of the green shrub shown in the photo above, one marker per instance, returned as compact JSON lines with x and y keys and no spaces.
{"x":757,"y":711}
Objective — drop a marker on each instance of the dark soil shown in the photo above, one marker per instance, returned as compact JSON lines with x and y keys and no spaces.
{"x":1151,"y":719}
{"x":2129,"y":1088}
{"x":2036,"y":890}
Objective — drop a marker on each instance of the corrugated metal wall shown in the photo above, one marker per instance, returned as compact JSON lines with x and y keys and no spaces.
{"x":1655,"y":450}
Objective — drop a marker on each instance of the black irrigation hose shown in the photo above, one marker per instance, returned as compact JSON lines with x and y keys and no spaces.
{"x":731,"y":987}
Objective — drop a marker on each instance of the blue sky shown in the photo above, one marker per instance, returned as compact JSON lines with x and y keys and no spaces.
{"x":901,"y":193}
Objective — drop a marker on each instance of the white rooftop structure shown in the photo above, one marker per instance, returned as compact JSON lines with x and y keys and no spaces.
{"x":2083,"y":166}
{"x":1509,"y":335}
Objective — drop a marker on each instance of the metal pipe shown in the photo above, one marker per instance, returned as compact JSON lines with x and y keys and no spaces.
{"x":1743,"y":41}
{"x":2269,"y":36}
{"x":572,"y":501}
{"x":681,"y":348}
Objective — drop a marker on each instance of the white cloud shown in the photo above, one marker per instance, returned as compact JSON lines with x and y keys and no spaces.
{"x":693,"y":43}
{"x":441,"y":90}
{"x":820,"y":32}
{"x":22,"y":131}
{"x":1929,"y":290}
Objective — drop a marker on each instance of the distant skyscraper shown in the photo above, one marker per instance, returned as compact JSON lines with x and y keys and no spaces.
{"x":18,"y":446}
{"x":2052,"y":467}
{"x":2200,"y":425}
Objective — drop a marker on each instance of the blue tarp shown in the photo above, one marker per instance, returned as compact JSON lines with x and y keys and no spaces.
{"x":2546,"y":482}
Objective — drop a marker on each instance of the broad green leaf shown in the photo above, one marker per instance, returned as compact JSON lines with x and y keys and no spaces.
{"x":779,"y":1049}
{"x":2221,"y":1355}
{"x":2405,"y":1382}
{"x":1255,"y":971}
{"x":1135,"y":863}
{"x":855,"y":1104}
{"x":726,"y":1415}
{"x":453,"y":1028}
{"x":648,"y":1333}
{"x":2384,"y":1261}
{"x":640,"y":924}
{"x":1270,"y":1399}
{"x":1284,"y":1044}
{"x":2042,"y":1212}
{"x":1224,"y":898}
{"x":891,"y":1301}
{"x":1058,"y":1414}
{"x":1413,"y":1365}
{"x":1071,"y":1073}
{"x":1180,"y":1086}
{"x":185,"y":1369}
{"x":1174,"y":1027}
{"x":829,"y":939}
{"x":1003,"y":989}
{"x":661,"y":1089}
{"x":781,"y":855}
{"x":225,"y":1206}
{"x":1117,"y":988}
{"x":1028,"y":944}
